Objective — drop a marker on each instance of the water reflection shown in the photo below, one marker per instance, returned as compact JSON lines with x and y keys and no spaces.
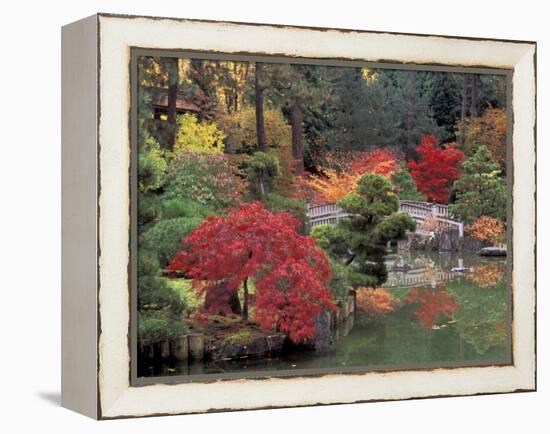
{"x":452,"y":317}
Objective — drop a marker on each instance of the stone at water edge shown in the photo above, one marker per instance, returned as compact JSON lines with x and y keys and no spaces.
{"x":492,"y":251}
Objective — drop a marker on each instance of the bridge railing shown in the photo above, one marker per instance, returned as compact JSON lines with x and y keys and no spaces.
{"x":330,"y":214}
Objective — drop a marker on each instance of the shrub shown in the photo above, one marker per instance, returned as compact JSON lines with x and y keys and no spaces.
{"x":151,"y":166}
{"x":261,"y":170}
{"x":165,"y":236}
{"x":198,"y":136}
{"x":182,"y":207}
{"x":297,"y":208}
{"x":212,"y":180}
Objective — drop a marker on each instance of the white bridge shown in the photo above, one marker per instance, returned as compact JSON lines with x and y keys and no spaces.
{"x":330,"y":214}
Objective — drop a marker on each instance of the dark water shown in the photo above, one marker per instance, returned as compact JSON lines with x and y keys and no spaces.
{"x":450,"y":318}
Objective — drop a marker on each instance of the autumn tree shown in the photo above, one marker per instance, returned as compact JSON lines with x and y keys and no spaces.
{"x":225,"y":254}
{"x":436,"y":169}
{"x":486,"y":228}
{"x":480,"y":191}
{"x":489,"y":129}
{"x":359,"y":241}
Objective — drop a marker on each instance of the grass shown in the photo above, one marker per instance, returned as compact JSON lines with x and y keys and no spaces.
{"x":239,"y":337}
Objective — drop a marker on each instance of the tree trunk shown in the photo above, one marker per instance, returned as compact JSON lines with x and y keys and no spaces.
{"x":296,"y":118}
{"x":473,"y":109}
{"x":259,"y":87}
{"x":464,"y":108}
{"x":236,"y":101}
{"x":411,"y":108}
{"x":173,"y":79}
{"x":464,"y":98}
{"x":245,"y":299}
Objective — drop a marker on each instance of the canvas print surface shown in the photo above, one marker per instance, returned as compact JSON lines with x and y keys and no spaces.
{"x":295,"y":218}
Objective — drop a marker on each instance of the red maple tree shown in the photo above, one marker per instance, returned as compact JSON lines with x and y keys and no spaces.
{"x":433,"y":304}
{"x":253,"y":244}
{"x":437,"y":169}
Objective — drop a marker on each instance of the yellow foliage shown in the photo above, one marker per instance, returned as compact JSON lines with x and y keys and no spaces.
{"x":240,"y":129}
{"x":198,"y":136}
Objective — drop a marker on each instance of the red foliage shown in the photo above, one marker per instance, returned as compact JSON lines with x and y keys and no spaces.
{"x":432,"y":305}
{"x":437,"y":169}
{"x":289,"y":270}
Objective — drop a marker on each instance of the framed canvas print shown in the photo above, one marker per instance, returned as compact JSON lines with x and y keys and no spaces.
{"x":261,"y":216}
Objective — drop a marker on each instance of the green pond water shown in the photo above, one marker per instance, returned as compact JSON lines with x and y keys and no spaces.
{"x":451,"y":318}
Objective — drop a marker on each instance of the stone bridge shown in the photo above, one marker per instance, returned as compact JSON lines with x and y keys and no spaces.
{"x":330,"y":214}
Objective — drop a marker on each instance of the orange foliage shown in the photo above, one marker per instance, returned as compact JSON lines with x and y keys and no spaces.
{"x":488,"y":275}
{"x":378,"y":301}
{"x":433,"y":304}
{"x":339,"y":180}
{"x":486,"y":228}
{"x":489,"y":130}
{"x":379,"y":162}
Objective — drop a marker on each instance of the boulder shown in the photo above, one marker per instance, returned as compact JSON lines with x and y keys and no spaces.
{"x":492,"y":251}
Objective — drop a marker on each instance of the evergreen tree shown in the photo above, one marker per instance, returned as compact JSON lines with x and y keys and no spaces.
{"x":480,"y":191}
{"x":360,"y":240}
{"x":445,"y":102}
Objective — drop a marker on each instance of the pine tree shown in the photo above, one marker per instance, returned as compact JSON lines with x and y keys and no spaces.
{"x":480,"y":191}
{"x":359,"y":241}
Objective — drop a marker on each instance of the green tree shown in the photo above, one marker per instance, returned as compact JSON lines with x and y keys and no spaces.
{"x":405,"y":186}
{"x":160,"y":308}
{"x":359,"y":241}
{"x":261,"y":170}
{"x":480,"y":190}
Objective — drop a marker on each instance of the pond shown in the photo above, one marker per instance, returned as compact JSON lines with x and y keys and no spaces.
{"x":437,"y":309}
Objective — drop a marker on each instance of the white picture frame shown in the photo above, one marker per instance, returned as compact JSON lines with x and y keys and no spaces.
{"x":96,"y":378}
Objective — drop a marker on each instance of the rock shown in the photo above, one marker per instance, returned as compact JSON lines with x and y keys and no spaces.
{"x":275,"y":343}
{"x":462,"y":270}
{"x":492,"y":251}
{"x":259,"y":345}
{"x":323,"y":336}
{"x":400,"y":265}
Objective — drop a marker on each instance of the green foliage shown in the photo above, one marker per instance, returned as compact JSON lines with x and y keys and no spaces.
{"x":359,"y":241}
{"x":480,"y":190}
{"x":182,"y":207}
{"x":166,"y":235}
{"x":276,"y":203}
{"x":151,"y":166}
{"x":149,"y":210}
{"x":212,"y":180}
{"x":261,"y":170}
{"x":339,"y":283}
{"x":159,"y":306}
{"x":198,"y":136}
{"x":405,"y":186}
{"x":154,"y":326}
{"x":185,"y":290}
